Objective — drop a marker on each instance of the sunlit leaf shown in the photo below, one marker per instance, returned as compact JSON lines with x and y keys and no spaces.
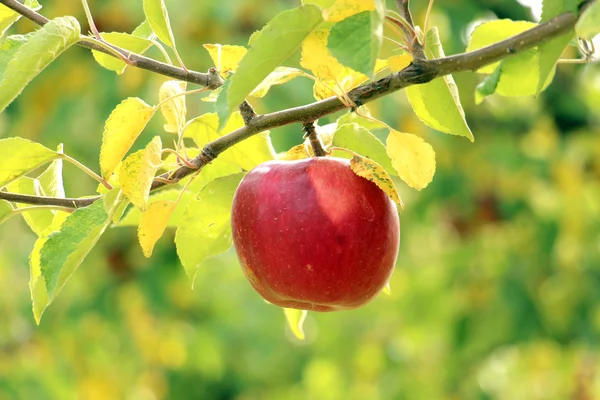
{"x":520,"y":74}
{"x":6,"y":210}
{"x":550,"y":51}
{"x":205,"y":230}
{"x":412,"y":157}
{"x":65,"y":249}
{"x":375,"y":173}
{"x":158,"y":18}
{"x":361,"y":116}
{"x":19,"y":156}
{"x":138,"y":171}
{"x":399,"y":62}
{"x":42,"y":47}
{"x":37,"y":220}
{"x":356,"y":40}
{"x":8,"y":48}
{"x":174,"y":110}
{"x":588,"y":24}
{"x":121,"y":129}
{"x":9,"y":17}
{"x":225,"y":57}
{"x":130,"y":42}
{"x":437,"y":103}
{"x":342,"y":9}
{"x":295,"y":320}
{"x":282,"y":37}
{"x":488,"y":86}
{"x":153,"y":224}
{"x":247,"y":154}
{"x":280,"y":76}
{"x":360,"y":140}
{"x":320,"y":3}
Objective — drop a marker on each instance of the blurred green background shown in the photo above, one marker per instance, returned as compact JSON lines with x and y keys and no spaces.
{"x":496,"y":294}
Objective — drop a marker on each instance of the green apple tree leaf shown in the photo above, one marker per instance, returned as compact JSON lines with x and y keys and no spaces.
{"x":360,"y":140}
{"x":130,"y":42}
{"x":550,"y":51}
{"x":8,"y":48}
{"x":437,"y":103}
{"x":6,"y":210}
{"x":246,"y":154}
{"x":588,"y":24}
{"x":412,"y":157}
{"x":488,"y":86}
{"x":43,"y":47}
{"x":205,"y":230}
{"x":37,"y":220}
{"x":279,"y":76}
{"x":19,"y":156}
{"x":278,"y":40}
{"x":355,"y":41}
{"x":158,"y":19}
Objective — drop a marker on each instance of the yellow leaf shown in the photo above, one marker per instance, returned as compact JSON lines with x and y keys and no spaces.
{"x":174,"y":110}
{"x":399,"y":62}
{"x":370,"y":170}
{"x":296,"y":153}
{"x":137,"y":173}
{"x":295,"y":319}
{"x":412,"y":157}
{"x":343,"y":9}
{"x":225,"y":57}
{"x":122,"y":128}
{"x":153,"y":223}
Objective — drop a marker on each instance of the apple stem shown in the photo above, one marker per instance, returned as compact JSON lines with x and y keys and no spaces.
{"x":315,"y":139}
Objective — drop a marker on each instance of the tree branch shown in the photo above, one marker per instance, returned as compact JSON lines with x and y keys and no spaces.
{"x":420,"y":71}
{"x":48,"y":201}
{"x":135,"y":60}
{"x":413,"y":41}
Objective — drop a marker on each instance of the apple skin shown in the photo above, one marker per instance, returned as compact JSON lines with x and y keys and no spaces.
{"x":312,"y":235}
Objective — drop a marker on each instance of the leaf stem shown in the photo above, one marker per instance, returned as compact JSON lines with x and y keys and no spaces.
{"x":86,"y":170}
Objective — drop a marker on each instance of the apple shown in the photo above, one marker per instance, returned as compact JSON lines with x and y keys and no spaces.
{"x":312,"y":235}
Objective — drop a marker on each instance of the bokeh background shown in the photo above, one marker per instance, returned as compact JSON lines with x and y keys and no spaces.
{"x":496,"y":294}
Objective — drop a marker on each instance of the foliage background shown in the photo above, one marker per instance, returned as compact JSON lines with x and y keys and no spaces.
{"x":496,"y":294}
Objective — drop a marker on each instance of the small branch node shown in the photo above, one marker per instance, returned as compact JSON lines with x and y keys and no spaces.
{"x":247,"y":112}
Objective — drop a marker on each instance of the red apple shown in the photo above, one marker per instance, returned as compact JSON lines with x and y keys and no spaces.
{"x":312,"y":235}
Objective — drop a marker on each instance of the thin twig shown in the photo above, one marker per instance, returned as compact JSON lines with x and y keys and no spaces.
{"x":413,"y":41}
{"x":49,"y":201}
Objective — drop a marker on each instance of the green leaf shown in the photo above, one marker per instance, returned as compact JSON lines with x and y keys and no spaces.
{"x":6,"y":210}
{"x":360,"y":140}
{"x":356,"y":117}
{"x":132,"y":43}
{"x":320,"y":3}
{"x":550,"y":51}
{"x":158,"y":18}
{"x":38,"y":220}
{"x":588,"y":24}
{"x":43,"y":47}
{"x":279,"y":76}
{"x":246,"y":154}
{"x":356,"y":40}
{"x":520,"y":74}
{"x":9,"y":17}
{"x":437,"y":103}
{"x":51,"y":179}
{"x":65,"y":249}
{"x":19,"y":156}
{"x":488,"y":86}
{"x":278,"y":40}
{"x":295,"y":321}
{"x":206,"y":228}
{"x":8,"y":49}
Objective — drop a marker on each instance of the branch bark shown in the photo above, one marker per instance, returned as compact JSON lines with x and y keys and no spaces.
{"x":420,"y":71}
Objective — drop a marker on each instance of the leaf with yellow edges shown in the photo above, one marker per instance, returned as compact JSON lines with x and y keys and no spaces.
{"x":370,"y":170}
{"x":137,"y":173}
{"x":412,"y":157}
{"x":174,"y":110}
{"x":295,"y":320}
{"x":225,"y":57}
{"x":343,"y":9}
{"x":122,"y":128}
{"x":153,"y":223}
